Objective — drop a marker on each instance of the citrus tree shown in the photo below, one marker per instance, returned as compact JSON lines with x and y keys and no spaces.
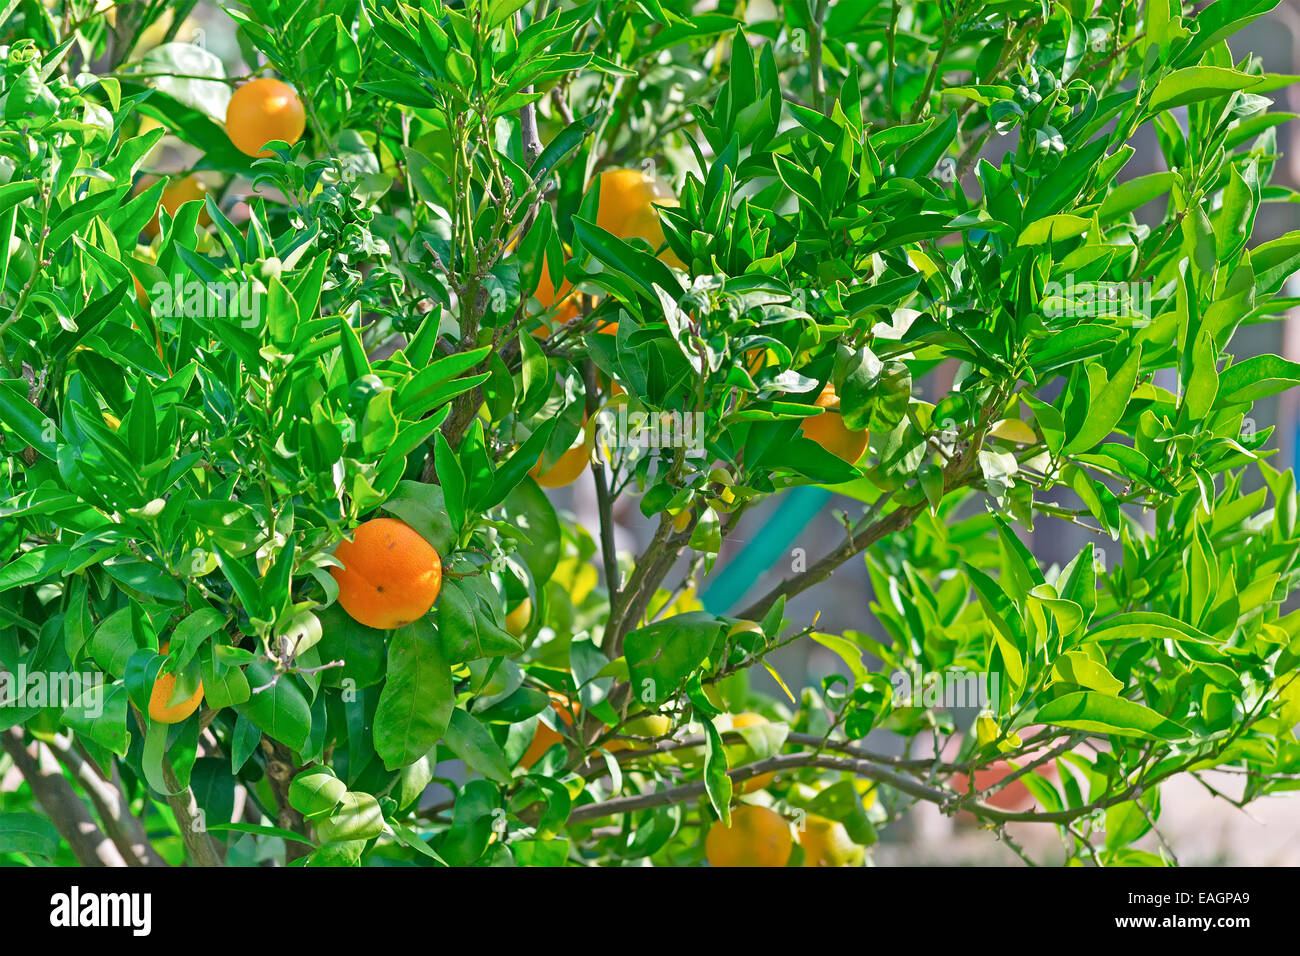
{"x":281,"y":577}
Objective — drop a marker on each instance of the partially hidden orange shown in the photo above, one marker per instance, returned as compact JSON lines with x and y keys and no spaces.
{"x":544,"y":738}
{"x":567,"y":467}
{"x":757,"y":837}
{"x":160,"y":707}
{"x":627,"y":208}
{"x":763,"y":779}
{"x":175,"y":194}
{"x":829,"y":431}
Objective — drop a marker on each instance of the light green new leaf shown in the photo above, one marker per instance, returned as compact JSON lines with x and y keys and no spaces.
{"x":1104,"y":714}
{"x":1195,"y":83}
{"x":1076,"y":667}
{"x":1107,"y":407}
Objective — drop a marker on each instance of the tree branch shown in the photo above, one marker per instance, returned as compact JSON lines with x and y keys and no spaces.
{"x":66,"y":810}
{"x":111,"y":806}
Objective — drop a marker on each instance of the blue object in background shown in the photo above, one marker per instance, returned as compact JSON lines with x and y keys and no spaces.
{"x":790,"y":516}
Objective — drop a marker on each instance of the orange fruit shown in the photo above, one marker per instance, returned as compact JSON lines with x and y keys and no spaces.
{"x":544,"y":738}
{"x":262,"y":110}
{"x":763,"y":779}
{"x":567,"y":467}
{"x":757,"y":837}
{"x":390,"y":576}
{"x":164,"y":685}
{"x":174,"y":195}
{"x":627,"y":208}
{"x":826,"y":843}
{"x":549,"y":298}
{"x":517,"y":620}
{"x":828,"y":430}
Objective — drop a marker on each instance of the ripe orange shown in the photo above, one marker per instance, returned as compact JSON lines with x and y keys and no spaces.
{"x":757,"y":837}
{"x":828,"y":430}
{"x":826,"y":843}
{"x":627,"y":208}
{"x":390,"y":576}
{"x":163,"y":688}
{"x":567,"y":467}
{"x":549,"y":298}
{"x":544,"y":738}
{"x":763,"y":779}
{"x":174,"y":195}
{"x":262,"y":110}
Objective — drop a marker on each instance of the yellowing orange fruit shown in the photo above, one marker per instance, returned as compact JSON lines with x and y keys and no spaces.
{"x":751,"y":720}
{"x":566,"y":469}
{"x":757,"y":837}
{"x":650,"y":725}
{"x":826,"y":843}
{"x":517,"y":619}
{"x":550,"y":298}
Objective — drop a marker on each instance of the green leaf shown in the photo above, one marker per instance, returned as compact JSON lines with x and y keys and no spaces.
{"x":280,"y":709}
{"x":1076,"y":667}
{"x":100,"y":714}
{"x":192,"y":631}
{"x":26,"y":420}
{"x":1101,"y":713}
{"x":315,"y":791}
{"x":662,"y":655}
{"x":30,"y":834}
{"x":1053,"y":229}
{"x":421,"y":506}
{"x":1145,"y":625}
{"x":358,"y":817}
{"x":470,"y":741}
{"x":468,"y":622}
{"x":1135,"y":193}
{"x":1257,"y":377}
{"x":716,"y":782}
{"x":1195,"y":83}
{"x":259,"y":830}
{"x":1107,"y":407}
{"x":418,"y":698}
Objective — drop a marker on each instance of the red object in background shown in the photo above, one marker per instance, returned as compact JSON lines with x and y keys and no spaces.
{"x":1015,"y":796}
